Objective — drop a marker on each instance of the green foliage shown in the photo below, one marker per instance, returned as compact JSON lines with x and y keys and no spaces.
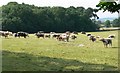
{"x":107,"y":23}
{"x":116,"y":22}
{"x":30,"y":18}
{"x":0,"y":18}
{"x":98,"y":22}
{"x":110,"y":6}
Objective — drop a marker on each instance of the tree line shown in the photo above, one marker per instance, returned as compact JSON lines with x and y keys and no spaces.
{"x":116,"y":22}
{"x":108,"y":23}
{"x":29,"y":18}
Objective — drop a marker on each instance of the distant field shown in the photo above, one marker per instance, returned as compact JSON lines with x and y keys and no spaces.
{"x":33,"y":54}
{"x":111,"y":28}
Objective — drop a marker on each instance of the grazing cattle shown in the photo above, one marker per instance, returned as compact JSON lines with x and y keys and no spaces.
{"x":10,"y":33}
{"x":111,"y":36}
{"x":21,"y":34}
{"x":5,"y":34}
{"x":67,"y":35}
{"x":16,"y":34}
{"x":63,"y":37}
{"x":106,"y":41}
{"x":73,"y":36}
{"x":55,"y":35}
{"x":39,"y":35}
{"x":83,"y":32}
{"x":74,"y":32}
{"x":97,"y":36}
{"x":92,"y":38}
{"x":47,"y":35}
{"x":67,"y":32}
{"x":52,"y":32}
{"x":88,"y":34}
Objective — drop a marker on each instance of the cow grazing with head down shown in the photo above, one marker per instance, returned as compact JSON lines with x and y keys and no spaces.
{"x":88,"y":34}
{"x":64,"y":37}
{"x":55,"y":35}
{"x":6,"y":33}
{"x":75,"y":32}
{"x":47,"y":35}
{"x":39,"y":34}
{"x":83,"y":32}
{"x":92,"y":38}
{"x":98,"y":37}
{"x":111,"y":36}
{"x":73,"y":36}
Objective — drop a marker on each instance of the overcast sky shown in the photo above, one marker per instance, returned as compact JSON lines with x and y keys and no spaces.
{"x":64,"y":3}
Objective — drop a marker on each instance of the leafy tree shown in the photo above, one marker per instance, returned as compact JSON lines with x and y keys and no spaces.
{"x":23,"y":17}
{"x":116,"y":22}
{"x":107,"y":23}
{"x":98,"y":22}
{"x":110,"y":6}
{"x":0,"y":18}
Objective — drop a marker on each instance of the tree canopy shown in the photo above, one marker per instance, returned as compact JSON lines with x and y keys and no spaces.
{"x":110,"y":6}
{"x":23,"y":17}
{"x":116,"y":22}
{"x":107,"y":23}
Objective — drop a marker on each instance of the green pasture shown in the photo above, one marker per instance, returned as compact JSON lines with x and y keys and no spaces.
{"x":33,"y":54}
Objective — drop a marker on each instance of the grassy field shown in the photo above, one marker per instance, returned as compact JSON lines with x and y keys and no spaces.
{"x":33,"y":54}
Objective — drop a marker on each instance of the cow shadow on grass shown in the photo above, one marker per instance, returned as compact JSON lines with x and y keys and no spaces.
{"x":115,"y":47}
{"x":14,"y":61}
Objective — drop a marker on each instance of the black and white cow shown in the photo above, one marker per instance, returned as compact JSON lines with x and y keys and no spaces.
{"x":21,"y":34}
{"x":106,"y":41}
{"x":40,"y":34}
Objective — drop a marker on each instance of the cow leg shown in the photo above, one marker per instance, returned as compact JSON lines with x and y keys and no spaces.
{"x":106,"y":45}
{"x":111,"y":44}
{"x":24,"y":36}
{"x":5,"y":36}
{"x":38,"y":37}
{"x":67,"y":39}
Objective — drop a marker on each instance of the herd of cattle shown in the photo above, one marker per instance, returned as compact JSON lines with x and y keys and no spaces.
{"x":60,"y":36}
